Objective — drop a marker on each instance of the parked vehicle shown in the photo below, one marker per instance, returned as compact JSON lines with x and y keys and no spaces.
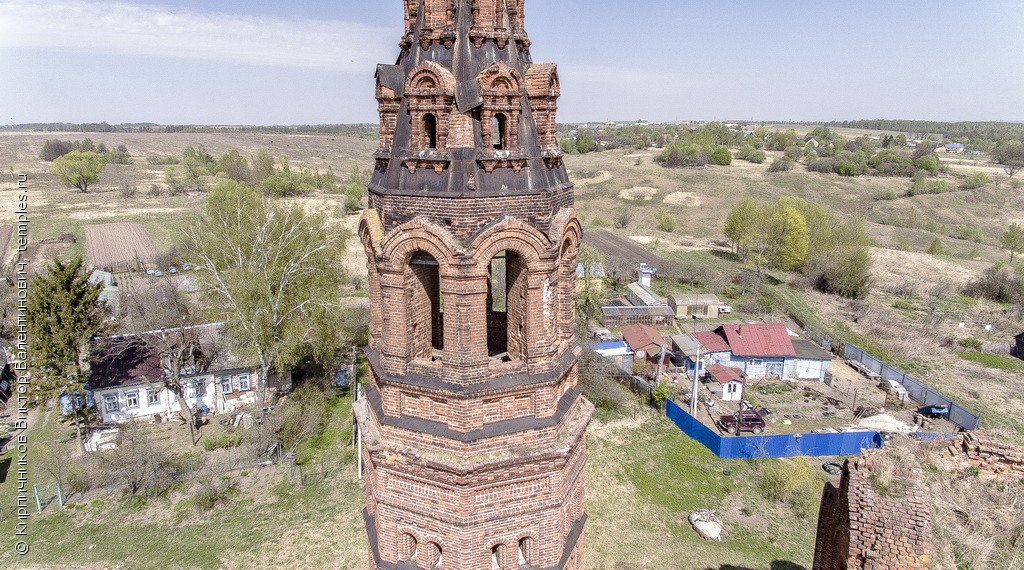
{"x":937,"y":411}
{"x":747,"y":420}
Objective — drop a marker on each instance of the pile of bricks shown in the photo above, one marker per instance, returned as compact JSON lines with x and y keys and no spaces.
{"x":992,"y":457}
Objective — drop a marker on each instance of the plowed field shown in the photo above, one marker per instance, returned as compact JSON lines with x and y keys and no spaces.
{"x":118,"y":246}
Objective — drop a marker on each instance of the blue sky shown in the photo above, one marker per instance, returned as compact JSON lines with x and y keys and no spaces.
{"x":303,"y":61}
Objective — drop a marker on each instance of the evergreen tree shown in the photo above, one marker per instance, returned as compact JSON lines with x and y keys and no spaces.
{"x":63,"y":314}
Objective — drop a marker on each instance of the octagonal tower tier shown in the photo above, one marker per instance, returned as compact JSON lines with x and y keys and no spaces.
{"x":473,"y":422}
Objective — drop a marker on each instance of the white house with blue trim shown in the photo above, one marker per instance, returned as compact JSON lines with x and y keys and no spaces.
{"x":756,"y":349}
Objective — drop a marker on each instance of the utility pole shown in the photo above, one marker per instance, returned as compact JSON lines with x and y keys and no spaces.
{"x":693,"y":393}
{"x":359,"y":433}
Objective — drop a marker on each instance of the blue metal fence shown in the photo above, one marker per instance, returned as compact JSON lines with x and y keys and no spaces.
{"x":762,"y":446}
{"x":918,"y":391}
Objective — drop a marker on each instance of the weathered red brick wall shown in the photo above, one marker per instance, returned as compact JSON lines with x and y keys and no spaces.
{"x":422,"y":289}
{"x":862,"y":528}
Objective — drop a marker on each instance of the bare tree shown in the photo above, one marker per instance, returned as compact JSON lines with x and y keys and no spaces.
{"x":134,"y":464}
{"x":1012,"y":167}
{"x":164,"y":320}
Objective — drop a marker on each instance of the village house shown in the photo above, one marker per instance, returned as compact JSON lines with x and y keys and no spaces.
{"x":725,"y":382}
{"x":645,"y":342}
{"x":757,"y":350}
{"x":128,"y":372}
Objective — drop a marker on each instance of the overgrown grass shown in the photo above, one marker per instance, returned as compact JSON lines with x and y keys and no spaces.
{"x":324,"y":520}
{"x":332,"y":443}
{"x":996,"y":361}
{"x":643,"y":482}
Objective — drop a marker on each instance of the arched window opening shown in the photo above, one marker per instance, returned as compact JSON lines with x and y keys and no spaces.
{"x":407,"y":547}
{"x":425,"y":307}
{"x":525,"y":551}
{"x":426,"y":82}
{"x":506,"y":307}
{"x":430,"y":130}
{"x":499,"y":130}
{"x":497,"y":551}
{"x":435,"y":557}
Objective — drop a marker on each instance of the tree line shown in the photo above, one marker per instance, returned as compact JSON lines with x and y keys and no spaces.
{"x":263,"y":172}
{"x":989,"y":130}
{"x":795,"y":235}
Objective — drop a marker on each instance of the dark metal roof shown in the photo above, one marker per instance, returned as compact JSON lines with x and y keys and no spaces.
{"x":624,"y":311}
{"x":134,"y":359}
{"x":465,"y":61}
{"x":809,"y":350}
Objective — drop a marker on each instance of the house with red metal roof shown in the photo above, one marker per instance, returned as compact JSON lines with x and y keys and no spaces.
{"x":726,"y":382}
{"x":645,"y":341}
{"x":757,"y":349}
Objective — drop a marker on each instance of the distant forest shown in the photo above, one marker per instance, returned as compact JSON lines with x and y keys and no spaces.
{"x":993,"y":131}
{"x":361,"y":130}
{"x":959,"y":131}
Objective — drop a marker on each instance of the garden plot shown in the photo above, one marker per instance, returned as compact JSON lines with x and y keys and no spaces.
{"x":807,"y":406}
{"x":118,"y":247}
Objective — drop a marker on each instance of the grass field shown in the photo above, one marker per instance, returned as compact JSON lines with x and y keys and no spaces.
{"x":644,"y":477}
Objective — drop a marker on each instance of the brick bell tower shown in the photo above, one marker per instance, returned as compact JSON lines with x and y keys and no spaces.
{"x":473,"y":424}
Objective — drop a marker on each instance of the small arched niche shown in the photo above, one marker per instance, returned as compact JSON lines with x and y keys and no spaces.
{"x":525,"y":554}
{"x":407,"y":547}
{"x":435,"y":556}
{"x":499,"y":128}
{"x":497,"y":552}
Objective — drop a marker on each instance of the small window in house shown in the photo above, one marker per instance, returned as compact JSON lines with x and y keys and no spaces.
{"x":199,"y":388}
{"x":153,"y":397}
{"x":757,"y":363}
{"x":131,"y":400}
{"x":110,"y":403}
{"x":243,"y":383}
{"x":225,"y":385}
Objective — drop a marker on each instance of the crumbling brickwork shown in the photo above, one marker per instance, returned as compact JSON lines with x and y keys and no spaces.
{"x":865,"y":526}
{"x":473,"y":424}
{"x":992,"y":457}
